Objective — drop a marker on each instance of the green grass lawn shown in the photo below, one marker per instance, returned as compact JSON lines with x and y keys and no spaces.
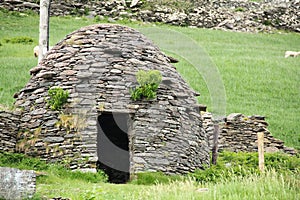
{"x":234,"y":178}
{"x":267,"y":187}
{"x":256,"y":76}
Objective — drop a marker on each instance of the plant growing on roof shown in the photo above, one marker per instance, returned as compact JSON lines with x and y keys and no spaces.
{"x":148,"y":84}
{"x":58,"y":97}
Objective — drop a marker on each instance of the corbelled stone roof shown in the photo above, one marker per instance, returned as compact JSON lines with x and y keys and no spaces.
{"x":97,"y":64}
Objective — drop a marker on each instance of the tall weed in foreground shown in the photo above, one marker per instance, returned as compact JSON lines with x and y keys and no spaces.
{"x":152,"y":178}
{"x":267,"y":186}
{"x":243,"y":164}
{"x":230,"y":182}
{"x":270,"y":185}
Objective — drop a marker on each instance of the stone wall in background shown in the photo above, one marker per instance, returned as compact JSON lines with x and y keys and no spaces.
{"x":9,"y":127}
{"x":17,"y":184}
{"x":239,"y":133}
{"x":237,"y":15}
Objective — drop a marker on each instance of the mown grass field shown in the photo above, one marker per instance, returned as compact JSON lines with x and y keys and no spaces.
{"x":257,"y":77}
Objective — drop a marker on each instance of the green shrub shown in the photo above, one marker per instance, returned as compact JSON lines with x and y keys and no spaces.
{"x":58,"y":97}
{"x":148,"y":77}
{"x":86,"y":11}
{"x":147,"y":91}
{"x":151,"y":178}
{"x":219,"y":172}
{"x":267,"y":22}
{"x":277,"y":161}
{"x":11,"y":13}
{"x":239,"y":9}
{"x":22,"y":161}
{"x":57,"y":170}
{"x":243,"y":164}
{"x":149,"y":82}
{"x":97,"y":18}
{"x":282,"y":162}
{"x":19,"y":40}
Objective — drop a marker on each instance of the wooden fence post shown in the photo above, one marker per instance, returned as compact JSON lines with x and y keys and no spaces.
{"x":260,"y":145}
{"x":44,"y":28}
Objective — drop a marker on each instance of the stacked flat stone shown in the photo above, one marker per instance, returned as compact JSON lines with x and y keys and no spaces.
{"x":17,"y":184}
{"x":9,"y":128}
{"x":239,"y":133}
{"x":236,"y":15}
{"x":208,"y":125}
{"x":97,"y":65}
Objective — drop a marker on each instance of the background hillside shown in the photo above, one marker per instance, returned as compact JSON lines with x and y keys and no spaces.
{"x":237,"y":15}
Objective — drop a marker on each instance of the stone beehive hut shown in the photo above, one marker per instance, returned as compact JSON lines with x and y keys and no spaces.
{"x":101,"y":126}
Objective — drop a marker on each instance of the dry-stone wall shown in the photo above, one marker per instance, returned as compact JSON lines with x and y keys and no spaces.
{"x":238,"y":15}
{"x":17,"y":184}
{"x":239,"y":133}
{"x":9,"y":128}
{"x":208,"y":125}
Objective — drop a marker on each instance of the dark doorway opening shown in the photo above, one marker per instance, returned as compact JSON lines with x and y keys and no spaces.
{"x":113,"y":146}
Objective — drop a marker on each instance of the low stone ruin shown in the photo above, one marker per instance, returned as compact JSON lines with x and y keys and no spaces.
{"x":239,"y":133}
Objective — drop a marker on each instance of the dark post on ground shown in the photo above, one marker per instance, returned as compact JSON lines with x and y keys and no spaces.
{"x":215,"y":144}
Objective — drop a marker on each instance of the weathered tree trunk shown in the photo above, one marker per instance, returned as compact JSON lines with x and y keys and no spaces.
{"x":44,"y":28}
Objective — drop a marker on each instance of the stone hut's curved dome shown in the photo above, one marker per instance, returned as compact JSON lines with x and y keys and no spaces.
{"x":97,"y":64}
